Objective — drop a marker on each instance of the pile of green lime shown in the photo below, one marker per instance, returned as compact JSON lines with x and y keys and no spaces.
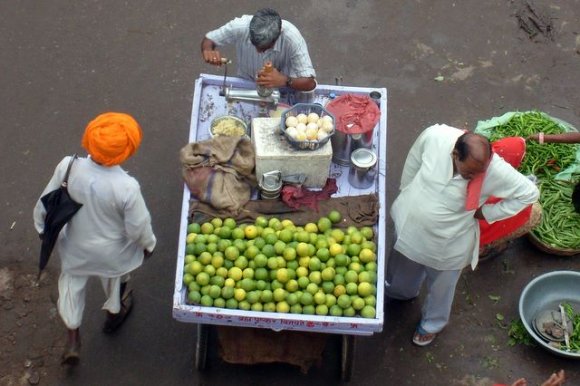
{"x":273,"y":265}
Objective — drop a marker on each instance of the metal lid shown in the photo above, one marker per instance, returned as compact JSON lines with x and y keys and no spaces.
{"x":363,"y":158}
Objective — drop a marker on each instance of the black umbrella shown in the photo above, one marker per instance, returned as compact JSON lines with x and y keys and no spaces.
{"x":60,"y":208}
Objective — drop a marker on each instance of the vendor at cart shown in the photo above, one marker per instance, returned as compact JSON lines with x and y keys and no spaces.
{"x":264,"y":37}
{"x":446,"y":208}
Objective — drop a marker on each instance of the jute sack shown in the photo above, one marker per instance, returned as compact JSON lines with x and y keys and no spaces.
{"x":220,"y":171}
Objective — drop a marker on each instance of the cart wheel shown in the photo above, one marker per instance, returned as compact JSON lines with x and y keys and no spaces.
{"x":347,"y":357}
{"x":201,"y":347}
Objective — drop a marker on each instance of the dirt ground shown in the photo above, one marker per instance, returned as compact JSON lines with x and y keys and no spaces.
{"x":453,"y":62}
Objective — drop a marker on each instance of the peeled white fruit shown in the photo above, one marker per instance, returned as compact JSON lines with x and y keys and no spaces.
{"x":302,"y":118}
{"x":301,"y":128}
{"x":291,"y":121}
{"x":311,"y":133}
{"x":313,"y":118}
{"x":322,"y":135}
{"x":291,"y":131}
{"x":312,"y":126}
{"x":301,"y":137}
{"x":327,"y":126}
{"x":327,"y":118}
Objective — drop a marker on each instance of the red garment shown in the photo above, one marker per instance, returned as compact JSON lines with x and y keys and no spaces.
{"x":297,"y":196}
{"x":354,"y":114}
{"x":512,"y":150}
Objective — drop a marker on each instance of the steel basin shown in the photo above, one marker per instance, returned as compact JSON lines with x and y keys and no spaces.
{"x":547,"y":292}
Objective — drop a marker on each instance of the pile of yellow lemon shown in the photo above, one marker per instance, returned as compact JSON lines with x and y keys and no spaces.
{"x":273,"y":265}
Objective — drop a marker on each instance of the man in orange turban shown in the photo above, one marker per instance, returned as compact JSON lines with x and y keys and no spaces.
{"x":110,"y":234}
{"x":111,"y":138}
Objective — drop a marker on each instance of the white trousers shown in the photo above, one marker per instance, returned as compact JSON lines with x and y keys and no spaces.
{"x":404,"y":280}
{"x":72,"y":293}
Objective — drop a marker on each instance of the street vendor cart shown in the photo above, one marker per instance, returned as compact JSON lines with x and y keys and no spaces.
{"x":209,"y":104}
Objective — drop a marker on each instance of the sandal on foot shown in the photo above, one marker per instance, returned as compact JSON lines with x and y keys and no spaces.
{"x":423,"y":338}
{"x":114,"y":321}
{"x":71,"y":354}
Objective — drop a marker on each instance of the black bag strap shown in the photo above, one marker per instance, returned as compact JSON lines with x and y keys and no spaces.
{"x":65,"y":181}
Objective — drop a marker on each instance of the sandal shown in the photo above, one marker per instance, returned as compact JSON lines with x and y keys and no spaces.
{"x":71,"y":354}
{"x":114,"y":321}
{"x":423,"y":338}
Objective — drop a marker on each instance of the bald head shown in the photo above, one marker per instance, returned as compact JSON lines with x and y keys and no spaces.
{"x":471,"y":145}
{"x":471,"y":155}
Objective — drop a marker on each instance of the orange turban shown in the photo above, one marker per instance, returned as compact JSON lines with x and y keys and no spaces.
{"x":111,"y":138}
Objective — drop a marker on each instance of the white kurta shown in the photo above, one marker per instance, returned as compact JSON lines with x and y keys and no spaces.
{"x":433,"y":228}
{"x":108,"y":234}
{"x":289,"y":54}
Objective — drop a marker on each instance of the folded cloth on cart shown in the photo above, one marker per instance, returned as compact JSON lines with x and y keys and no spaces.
{"x":219,"y":171}
{"x":356,"y":210}
{"x":296,"y":196}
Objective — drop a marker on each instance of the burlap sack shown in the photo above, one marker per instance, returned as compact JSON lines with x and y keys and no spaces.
{"x":244,"y":345}
{"x":220,"y":171}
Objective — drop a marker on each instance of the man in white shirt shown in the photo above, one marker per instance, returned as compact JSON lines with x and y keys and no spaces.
{"x":437,"y":234}
{"x":111,"y":233}
{"x":261,"y":38}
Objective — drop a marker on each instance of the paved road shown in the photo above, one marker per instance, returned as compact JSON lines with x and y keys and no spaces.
{"x":64,"y":62}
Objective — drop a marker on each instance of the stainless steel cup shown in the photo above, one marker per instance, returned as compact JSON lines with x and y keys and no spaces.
{"x":270,"y":185}
{"x":362,"y":171}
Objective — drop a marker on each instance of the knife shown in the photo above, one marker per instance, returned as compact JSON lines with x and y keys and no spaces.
{"x":565,"y":327}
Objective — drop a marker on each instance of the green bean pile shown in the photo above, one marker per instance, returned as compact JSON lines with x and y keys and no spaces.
{"x":546,"y":159}
{"x":560,"y":226}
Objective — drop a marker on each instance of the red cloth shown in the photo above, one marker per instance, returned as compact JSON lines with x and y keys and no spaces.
{"x":297,"y":196}
{"x":354,"y":114}
{"x":512,"y":150}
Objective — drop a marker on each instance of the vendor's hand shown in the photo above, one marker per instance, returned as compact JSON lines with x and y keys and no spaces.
{"x":520,"y":382}
{"x":212,"y":57}
{"x":479,"y":214}
{"x":272,"y":79}
{"x":147,"y":254}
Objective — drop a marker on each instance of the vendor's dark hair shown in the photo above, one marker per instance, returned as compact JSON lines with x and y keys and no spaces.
{"x":462,"y":145}
{"x":265,"y":27}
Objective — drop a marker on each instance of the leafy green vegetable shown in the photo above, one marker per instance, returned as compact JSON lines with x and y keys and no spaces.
{"x":575,"y":336}
{"x":518,"y":334}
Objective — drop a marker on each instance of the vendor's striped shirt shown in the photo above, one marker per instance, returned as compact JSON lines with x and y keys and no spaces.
{"x":289,"y":54}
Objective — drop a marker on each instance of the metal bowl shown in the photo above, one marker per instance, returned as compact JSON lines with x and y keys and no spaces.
{"x":546,"y":292}
{"x":234,"y":120}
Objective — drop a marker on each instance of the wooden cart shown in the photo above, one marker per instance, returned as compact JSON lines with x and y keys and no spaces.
{"x":208,"y":104}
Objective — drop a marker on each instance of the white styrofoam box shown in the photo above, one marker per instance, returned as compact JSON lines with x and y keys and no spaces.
{"x":273,"y":152}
